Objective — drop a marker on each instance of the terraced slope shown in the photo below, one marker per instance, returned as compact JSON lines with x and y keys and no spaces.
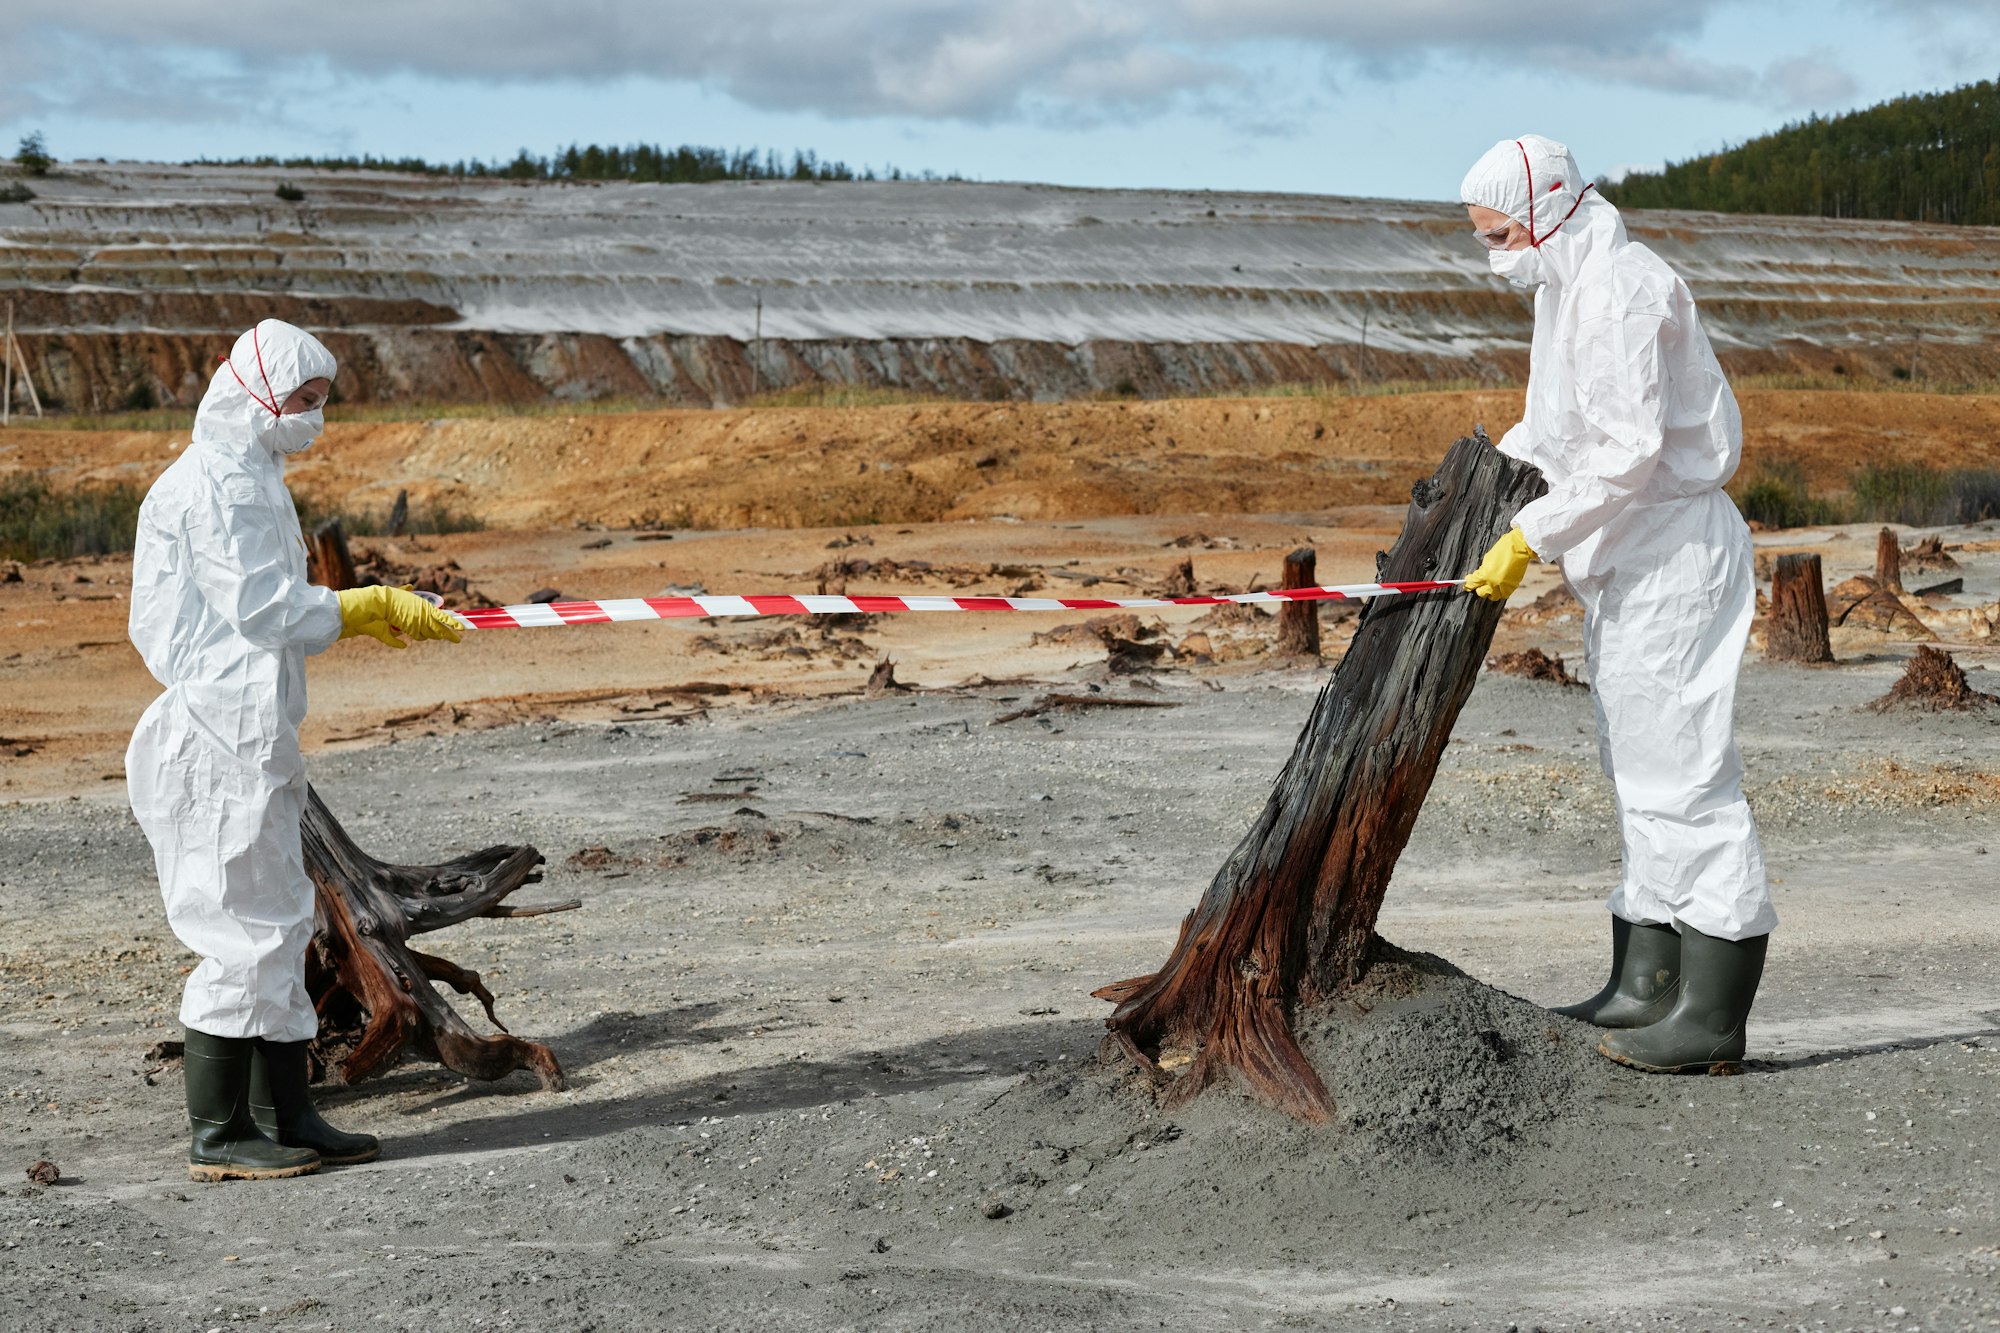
{"x":127,"y":279}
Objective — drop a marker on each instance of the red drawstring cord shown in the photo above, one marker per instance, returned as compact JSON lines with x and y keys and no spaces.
{"x":1532,"y":238}
{"x":271,"y":405}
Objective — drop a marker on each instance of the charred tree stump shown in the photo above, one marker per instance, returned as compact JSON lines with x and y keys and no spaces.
{"x":372,"y":990}
{"x":1298,"y":622}
{"x":1289,"y":919}
{"x":1888,"y":561}
{"x":1797,"y":630}
{"x":328,"y":561}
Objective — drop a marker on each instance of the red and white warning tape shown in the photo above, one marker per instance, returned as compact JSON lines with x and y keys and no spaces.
{"x":670,"y":608}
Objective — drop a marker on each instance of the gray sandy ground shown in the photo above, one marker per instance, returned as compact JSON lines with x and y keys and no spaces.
{"x":815,"y":1031}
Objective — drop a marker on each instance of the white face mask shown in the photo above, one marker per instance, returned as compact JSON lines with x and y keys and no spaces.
{"x":1521,"y":267}
{"x":289,"y":433}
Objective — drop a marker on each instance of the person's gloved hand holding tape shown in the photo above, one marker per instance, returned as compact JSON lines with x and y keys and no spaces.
{"x":380,"y":611}
{"x":1501,"y":572}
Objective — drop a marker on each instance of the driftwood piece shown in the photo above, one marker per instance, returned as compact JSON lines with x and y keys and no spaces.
{"x":1533,"y":664}
{"x":1049,"y":702}
{"x":1289,"y":919}
{"x":1298,"y":622}
{"x":1862,"y":603}
{"x":1797,"y":630}
{"x":328,"y":561}
{"x":1888,"y":561}
{"x":882,"y":680}
{"x":1928,"y":553}
{"x":372,"y":990}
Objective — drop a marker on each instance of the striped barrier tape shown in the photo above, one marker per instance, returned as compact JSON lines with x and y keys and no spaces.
{"x":613,"y":610}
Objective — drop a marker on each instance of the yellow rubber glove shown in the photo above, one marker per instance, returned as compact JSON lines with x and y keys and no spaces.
{"x":1500,"y":573}
{"x":380,"y":611}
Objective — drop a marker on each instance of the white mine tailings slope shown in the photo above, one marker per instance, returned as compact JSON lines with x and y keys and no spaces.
{"x":126,"y":275}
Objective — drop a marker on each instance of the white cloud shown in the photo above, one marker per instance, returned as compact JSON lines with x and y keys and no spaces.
{"x":1065,"y":61}
{"x":1809,"y":83}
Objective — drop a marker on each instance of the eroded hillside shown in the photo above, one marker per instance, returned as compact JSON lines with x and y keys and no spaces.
{"x":127,"y":278}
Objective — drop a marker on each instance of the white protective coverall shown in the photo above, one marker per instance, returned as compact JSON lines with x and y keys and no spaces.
{"x":1631,"y":421}
{"x":224,"y":617}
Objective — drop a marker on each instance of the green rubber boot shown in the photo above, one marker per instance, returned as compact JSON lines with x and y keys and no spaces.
{"x":284,"y":1111}
{"x":1645,"y":978}
{"x":226,"y":1143}
{"x":1705,"y":1032}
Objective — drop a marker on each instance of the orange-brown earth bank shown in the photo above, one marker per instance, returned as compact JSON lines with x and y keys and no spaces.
{"x":814,"y":467}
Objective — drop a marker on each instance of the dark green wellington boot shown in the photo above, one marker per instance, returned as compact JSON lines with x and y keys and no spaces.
{"x":284,"y":1110}
{"x":1705,"y":1032}
{"x":1645,"y":978}
{"x":226,"y":1143}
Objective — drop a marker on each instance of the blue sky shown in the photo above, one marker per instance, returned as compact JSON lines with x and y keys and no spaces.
{"x":1324,"y":96}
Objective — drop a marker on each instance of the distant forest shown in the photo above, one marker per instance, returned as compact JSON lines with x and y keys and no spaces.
{"x":1931,"y":157}
{"x":685,"y":165}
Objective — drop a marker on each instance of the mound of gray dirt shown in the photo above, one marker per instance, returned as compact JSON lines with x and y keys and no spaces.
{"x":1432,"y":1072}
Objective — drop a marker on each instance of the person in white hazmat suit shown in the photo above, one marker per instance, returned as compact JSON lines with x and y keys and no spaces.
{"x":1631,"y":421}
{"x":224,"y":618}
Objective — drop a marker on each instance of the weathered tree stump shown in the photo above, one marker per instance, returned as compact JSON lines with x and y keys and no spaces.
{"x":399,"y":515}
{"x":1797,"y":630}
{"x":372,"y":990}
{"x":328,"y":561}
{"x":1888,"y":561}
{"x":1289,"y":919}
{"x":1298,"y":622}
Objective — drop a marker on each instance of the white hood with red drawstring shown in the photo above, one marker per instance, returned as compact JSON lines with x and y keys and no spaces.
{"x":1630,"y":418}
{"x":247,"y":393}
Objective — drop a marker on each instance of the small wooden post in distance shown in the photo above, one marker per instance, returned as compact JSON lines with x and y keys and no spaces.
{"x":1298,"y":622}
{"x":1888,"y":561}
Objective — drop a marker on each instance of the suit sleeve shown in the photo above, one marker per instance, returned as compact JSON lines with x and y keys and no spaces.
{"x":246,"y":573}
{"x":1621,"y":393}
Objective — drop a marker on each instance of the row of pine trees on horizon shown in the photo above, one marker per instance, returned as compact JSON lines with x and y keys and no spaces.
{"x":1928,"y":157}
{"x":688,"y":164}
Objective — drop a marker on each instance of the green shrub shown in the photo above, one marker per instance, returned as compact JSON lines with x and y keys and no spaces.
{"x":1907,"y":493}
{"x":1776,"y":496}
{"x":38,"y":522}
{"x":1976,"y":495}
{"x":13,"y":192}
{"x":289,"y":192}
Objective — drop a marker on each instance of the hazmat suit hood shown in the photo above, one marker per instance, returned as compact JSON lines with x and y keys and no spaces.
{"x":250,"y":385}
{"x":1536,"y":182}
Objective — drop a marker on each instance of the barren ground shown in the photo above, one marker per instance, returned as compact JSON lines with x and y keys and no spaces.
{"x":816,"y":1027}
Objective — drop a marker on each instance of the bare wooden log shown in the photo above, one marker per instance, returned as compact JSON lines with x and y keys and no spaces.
{"x":1289,"y":919}
{"x":328,"y":561}
{"x":1298,"y":622}
{"x":372,"y":990}
{"x":1888,"y":561}
{"x":1797,"y":630}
